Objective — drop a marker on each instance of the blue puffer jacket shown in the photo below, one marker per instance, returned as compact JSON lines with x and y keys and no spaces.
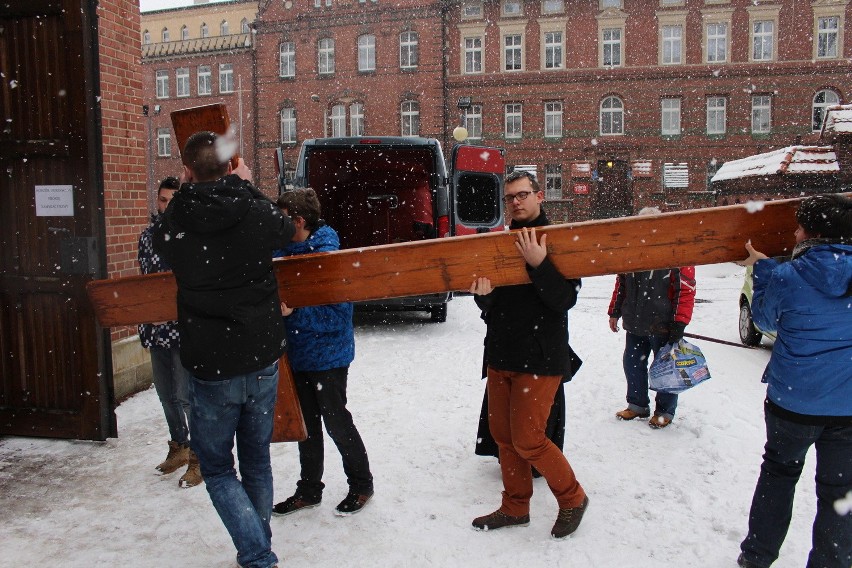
{"x":319,"y":337}
{"x":808,"y":302}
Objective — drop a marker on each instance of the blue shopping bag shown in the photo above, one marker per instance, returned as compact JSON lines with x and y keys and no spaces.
{"x":677,"y":367}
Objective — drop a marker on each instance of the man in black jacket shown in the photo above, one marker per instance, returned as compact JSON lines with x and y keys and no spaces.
{"x":527,"y":355}
{"x":218,"y":235}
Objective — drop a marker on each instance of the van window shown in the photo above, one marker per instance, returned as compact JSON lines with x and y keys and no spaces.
{"x":476,"y":195}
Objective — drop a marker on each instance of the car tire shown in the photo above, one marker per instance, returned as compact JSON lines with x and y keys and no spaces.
{"x":439,"y":313}
{"x":749,"y":334}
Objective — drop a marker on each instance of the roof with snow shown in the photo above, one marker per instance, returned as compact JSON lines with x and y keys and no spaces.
{"x":838,"y":120}
{"x":792,"y":160}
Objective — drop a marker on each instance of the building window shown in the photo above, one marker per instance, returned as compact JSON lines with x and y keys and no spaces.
{"x":672,"y":45}
{"x":512,"y":8}
{"x":604,"y":4}
{"x":356,"y":119}
{"x":224,"y":29}
{"x":472,"y":10}
{"x":716,"y":115}
{"x":244,"y":26}
{"x":205,"y":84}
{"x":410,"y":118}
{"x":553,"y":50}
{"x":513,"y":120}
{"x":612,"y":116}
{"x":287,"y":59}
{"x":288,"y":125}
{"x":717,"y":42}
{"x":553,"y":181}
{"x":408,"y":50}
{"x":670,"y":116}
{"x":473,"y":122}
{"x":226,"y":78}
{"x":325,"y":53}
{"x":762,"y":40}
{"x":828,"y":31}
{"x":552,"y":6}
{"x":184,"y":33}
{"x":162,"y":84}
{"x":164,"y":143}
{"x":205,"y":31}
{"x":553,"y":119}
{"x":338,"y":121}
{"x":761,"y":114}
{"x":165,"y":35}
{"x":367,"y":53}
{"x":611,"y":47}
{"x":182,"y":82}
{"x":146,"y":37}
{"x":822,"y":100}
{"x":473,"y":55}
{"x":675,"y":175}
{"x":513,"y":52}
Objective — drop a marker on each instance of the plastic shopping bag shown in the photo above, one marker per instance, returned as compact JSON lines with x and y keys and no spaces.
{"x":677,"y":367}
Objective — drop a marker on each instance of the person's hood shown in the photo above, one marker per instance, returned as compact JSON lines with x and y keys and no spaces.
{"x":210,"y":207}
{"x":828,"y":268}
{"x":321,"y":240}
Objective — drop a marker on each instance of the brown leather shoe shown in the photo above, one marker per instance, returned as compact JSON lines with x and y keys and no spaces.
{"x":659,"y":421}
{"x":192,"y":476}
{"x":178,"y":457}
{"x":628,"y":414}
{"x":569,"y":519}
{"x":498,"y":520}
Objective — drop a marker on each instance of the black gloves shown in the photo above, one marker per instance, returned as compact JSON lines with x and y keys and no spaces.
{"x":676,"y":331}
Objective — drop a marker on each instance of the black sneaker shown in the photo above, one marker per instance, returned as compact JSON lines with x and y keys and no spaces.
{"x":569,"y":519}
{"x":743,"y":563}
{"x":293,"y":504}
{"x":352,"y":504}
{"x":498,"y":520}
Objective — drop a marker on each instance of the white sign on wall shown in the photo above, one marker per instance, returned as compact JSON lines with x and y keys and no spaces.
{"x":54,"y":200}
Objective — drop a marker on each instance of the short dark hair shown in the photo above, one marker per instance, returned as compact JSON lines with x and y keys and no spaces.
{"x":302,"y":203}
{"x":169,"y":182}
{"x":828,"y":216}
{"x":518,"y":174}
{"x":200,"y":155}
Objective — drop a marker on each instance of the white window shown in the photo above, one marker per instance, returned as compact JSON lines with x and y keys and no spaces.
{"x":338,"y":120}
{"x":164,"y":142}
{"x":822,"y":100}
{"x":553,"y":181}
{"x":287,"y":59}
{"x":473,"y":55}
{"x":205,"y":84}
{"x":244,"y":26}
{"x":226,"y":78}
{"x":205,"y":31}
{"x":762,"y":40}
{"x":604,"y":4}
{"x":182,"y":82}
{"x":670,"y":116}
{"x":184,"y":33}
{"x":828,"y":30}
{"x":612,"y":116}
{"x":325,"y":54}
{"x":472,"y":9}
{"x":553,"y":119}
{"x":224,"y":29}
{"x":675,"y":175}
{"x":553,"y":50}
{"x":761,"y":114}
{"x":356,"y":119}
{"x":146,"y":37}
{"x":162,"y":84}
{"x":717,"y":115}
{"x":513,"y":120}
{"x":165,"y":35}
{"x":473,"y":122}
{"x":552,"y":6}
{"x":367,"y":53}
{"x":717,"y":42}
{"x":408,"y":50}
{"x":672,"y":37}
{"x":513,"y":52}
{"x":410,"y":115}
{"x":288,"y":125}
{"x":611,"y":47}
{"x":512,"y":8}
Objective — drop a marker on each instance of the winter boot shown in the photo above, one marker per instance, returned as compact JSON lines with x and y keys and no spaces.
{"x":177,"y":457}
{"x":569,"y":519}
{"x":628,"y":414}
{"x":292,"y":504}
{"x":498,"y":520}
{"x":192,"y":477}
{"x":353,"y":503}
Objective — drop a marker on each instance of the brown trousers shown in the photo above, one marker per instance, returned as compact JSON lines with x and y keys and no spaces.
{"x":519,"y":404}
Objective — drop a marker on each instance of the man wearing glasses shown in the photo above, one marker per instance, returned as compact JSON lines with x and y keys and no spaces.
{"x":527,"y":355}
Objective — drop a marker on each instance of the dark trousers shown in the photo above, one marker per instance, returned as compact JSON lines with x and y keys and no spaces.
{"x":322,"y":395}
{"x":787,"y":443}
{"x":637,"y":352}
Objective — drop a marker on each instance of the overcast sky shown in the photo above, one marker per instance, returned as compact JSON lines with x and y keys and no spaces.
{"x":149,"y":5}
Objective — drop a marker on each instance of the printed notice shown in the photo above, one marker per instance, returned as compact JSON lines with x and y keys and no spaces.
{"x":54,"y":200}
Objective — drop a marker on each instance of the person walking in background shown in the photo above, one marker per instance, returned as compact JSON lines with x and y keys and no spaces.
{"x":321,"y":345}
{"x":218,"y":235}
{"x":808,"y":302}
{"x":163,"y":342}
{"x":527,"y":352}
{"x":655,"y":307}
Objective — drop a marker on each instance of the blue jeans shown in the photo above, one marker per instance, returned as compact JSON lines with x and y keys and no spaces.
{"x":787,"y":443}
{"x":242,"y":405}
{"x":171,"y":381}
{"x":637,"y":349}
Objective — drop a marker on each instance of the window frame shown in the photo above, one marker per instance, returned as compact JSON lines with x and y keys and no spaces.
{"x":513,"y":121}
{"x":287,"y":118}
{"x":608,"y":44}
{"x":161,"y":78}
{"x":716,"y":111}
{"x":224,"y":28}
{"x":473,"y":121}
{"x":287,"y":60}
{"x":226,"y":77}
{"x":671,"y":112}
{"x":366,"y":53}
{"x":547,"y":27}
{"x":182,"y":80}
{"x":553,"y":116}
{"x":612,"y":112}
{"x":356,"y":119}
{"x":765,"y":109}
{"x":553,"y":182}
{"x":205,"y":72}
{"x":165,"y":35}
{"x":325,"y":56}
{"x":164,"y":143}
{"x":409,"y":50}
{"x":821,"y":32}
{"x":473,"y":54}
{"x":409,"y":118}
{"x":822,"y":106}
{"x":184,"y":33}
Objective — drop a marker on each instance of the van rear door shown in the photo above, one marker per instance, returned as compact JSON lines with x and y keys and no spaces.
{"x":476,"y":191}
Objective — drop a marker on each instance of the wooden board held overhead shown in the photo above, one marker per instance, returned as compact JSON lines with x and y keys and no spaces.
{"x":213,"y":117}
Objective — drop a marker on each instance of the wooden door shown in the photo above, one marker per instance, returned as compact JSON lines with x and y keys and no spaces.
{"x":614,"y":191}
{"x":56,"y":376}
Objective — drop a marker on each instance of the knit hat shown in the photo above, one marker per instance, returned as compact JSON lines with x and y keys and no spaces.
{"x":827,"y":216}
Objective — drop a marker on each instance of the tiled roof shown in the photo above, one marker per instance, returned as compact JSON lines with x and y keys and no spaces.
{"x":198,"y":45}
{"x":792,"y":160}
{"x":838,"y":119}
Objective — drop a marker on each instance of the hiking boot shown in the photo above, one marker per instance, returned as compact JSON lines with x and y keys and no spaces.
{"x":628,"y":414}
{"x":569,"y":519}
{"x":743,"y":563}
{"x":178,"y":456}
{"x":192,"y":476}
{"x":352,"y":504}
{"x":659,"y":421}
{"x":498,"y":519}
{"x":292,"y":504}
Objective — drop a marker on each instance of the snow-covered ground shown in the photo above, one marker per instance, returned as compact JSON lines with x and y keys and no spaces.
{"x":673,"y":497}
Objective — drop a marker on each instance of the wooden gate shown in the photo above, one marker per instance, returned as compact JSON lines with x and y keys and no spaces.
{"x":56,"y":376}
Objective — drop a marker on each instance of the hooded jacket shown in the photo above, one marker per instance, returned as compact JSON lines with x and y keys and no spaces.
{"x":218,"y":237}
{"x":808,"y":302}
{"x":155,"y":334}
{"x":649,"y":302}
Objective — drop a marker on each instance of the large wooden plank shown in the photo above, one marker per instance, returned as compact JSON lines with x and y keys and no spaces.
{"x":591,"y":248}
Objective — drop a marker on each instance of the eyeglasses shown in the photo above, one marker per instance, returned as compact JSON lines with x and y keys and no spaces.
{"x":520,"y":196}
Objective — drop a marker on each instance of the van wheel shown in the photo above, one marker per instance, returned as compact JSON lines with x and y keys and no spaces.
{"x":439,"y":313}
{"x":749,"y":335}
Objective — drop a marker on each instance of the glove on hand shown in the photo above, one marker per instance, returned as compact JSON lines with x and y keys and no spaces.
{"x":676,"y":331}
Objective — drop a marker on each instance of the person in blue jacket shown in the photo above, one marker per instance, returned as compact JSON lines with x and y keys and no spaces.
{"x":321,"y":345}
{"x":808,"y":302}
